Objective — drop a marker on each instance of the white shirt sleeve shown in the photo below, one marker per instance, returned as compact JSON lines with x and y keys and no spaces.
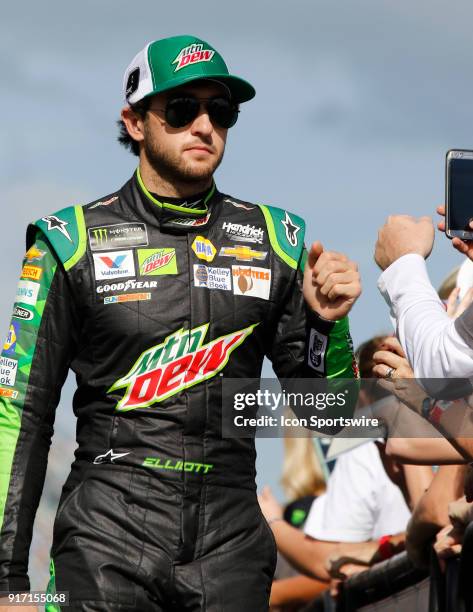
{"x":435,"y":345}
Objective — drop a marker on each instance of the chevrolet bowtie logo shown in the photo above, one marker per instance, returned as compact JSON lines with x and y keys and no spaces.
{"x":242,"y":253}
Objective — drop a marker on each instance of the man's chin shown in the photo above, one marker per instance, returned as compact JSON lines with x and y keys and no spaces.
{"x":199,"y":172}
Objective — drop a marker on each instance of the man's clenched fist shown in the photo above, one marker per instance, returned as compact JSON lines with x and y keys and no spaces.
{"x":401,"y":235}
{"x":331,"y":283}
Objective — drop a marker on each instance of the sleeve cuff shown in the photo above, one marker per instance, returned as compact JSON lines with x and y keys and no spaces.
{"x":325,"y":326}
{"x":412,"y":265}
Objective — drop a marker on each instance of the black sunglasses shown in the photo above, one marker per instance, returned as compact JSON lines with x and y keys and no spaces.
{"x":182,"y":110}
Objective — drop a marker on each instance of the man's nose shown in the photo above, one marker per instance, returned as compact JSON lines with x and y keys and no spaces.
{"x":202,"y":124}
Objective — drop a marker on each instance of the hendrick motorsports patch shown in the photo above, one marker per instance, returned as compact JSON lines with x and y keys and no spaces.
{"x":248,"y":233}
{"x":119,"y":236}
{"x":212,"y":278}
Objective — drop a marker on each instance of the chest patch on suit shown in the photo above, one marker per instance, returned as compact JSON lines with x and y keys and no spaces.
{"x":181,"y":361}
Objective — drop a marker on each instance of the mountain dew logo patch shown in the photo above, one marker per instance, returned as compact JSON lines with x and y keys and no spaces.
{"x":193,"y":54}
{"x":157,"y":261}
{"x":181,"y":361}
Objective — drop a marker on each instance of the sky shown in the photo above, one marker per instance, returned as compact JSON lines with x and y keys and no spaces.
{"x":356,"y":106}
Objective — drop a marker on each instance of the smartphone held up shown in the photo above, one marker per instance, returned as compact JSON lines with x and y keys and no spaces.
{"x":459,"y":194}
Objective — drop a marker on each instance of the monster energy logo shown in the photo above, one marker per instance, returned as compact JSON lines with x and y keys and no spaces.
{"x":121,"y":235}
{"x":100,"y":235}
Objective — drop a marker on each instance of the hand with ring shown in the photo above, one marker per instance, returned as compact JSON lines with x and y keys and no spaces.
{"x":390,"y":360}
{"x":392,"y":366}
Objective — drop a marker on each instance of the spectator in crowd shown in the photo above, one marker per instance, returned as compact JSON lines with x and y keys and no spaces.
{"x":303,"y":479}
{"x":430,"y":447}
{"x":302,"y":472}
{"x":431,"y":514}
{"x":353,"y":521}
{"x":449,"y":540}
{"x":435,"y":346}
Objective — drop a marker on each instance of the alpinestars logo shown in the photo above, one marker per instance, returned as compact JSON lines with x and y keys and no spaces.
{"x":179,"y":362}
{"x":109,"y":457}
{"x":291,"y":230}
{"x":54,"y":223}
{"x":193,"y":54}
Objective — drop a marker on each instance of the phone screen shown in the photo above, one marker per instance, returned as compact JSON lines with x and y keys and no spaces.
{"x":460,"y":194}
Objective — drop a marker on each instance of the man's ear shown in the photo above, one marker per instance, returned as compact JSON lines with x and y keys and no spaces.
{"x":134,"y":123}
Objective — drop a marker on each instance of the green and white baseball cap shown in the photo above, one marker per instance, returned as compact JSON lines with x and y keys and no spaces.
{"x":170,"y":62}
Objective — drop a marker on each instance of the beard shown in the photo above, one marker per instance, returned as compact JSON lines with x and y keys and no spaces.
{"x":169,"y":166}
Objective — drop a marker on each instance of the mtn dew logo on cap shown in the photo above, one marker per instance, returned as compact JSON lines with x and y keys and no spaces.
{"x":193,"y":54}
{"x":181,"y":361}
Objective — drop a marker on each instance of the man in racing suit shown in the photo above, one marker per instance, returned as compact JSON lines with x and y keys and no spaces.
{"x":152,"y":300}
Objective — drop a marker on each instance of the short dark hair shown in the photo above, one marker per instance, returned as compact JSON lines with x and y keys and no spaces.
{"x":140,"y":108}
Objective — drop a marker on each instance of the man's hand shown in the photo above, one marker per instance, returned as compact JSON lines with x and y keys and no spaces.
{"x":448,"y":543}
{"x":361,"y":555}
{"x":402,"y":234}
{"x":460,"y":513}
{"x":406,"y":390}
{"x":331,"y":283}
{"x":391,"y":361}
{"x":464,"y":246}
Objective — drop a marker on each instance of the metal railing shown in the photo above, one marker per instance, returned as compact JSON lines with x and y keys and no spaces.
{"x":396,"y":585}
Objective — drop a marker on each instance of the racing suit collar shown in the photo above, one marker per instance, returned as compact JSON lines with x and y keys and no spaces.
{"x":194,"y":212}
{"x":174,"y":216}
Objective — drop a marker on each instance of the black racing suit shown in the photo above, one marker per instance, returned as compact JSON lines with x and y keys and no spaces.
{"x":150,"y":304}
